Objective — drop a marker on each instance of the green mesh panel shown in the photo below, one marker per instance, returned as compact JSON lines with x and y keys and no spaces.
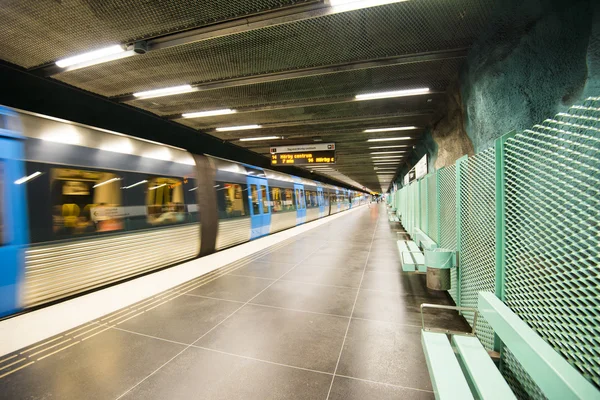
{"x":518,"y":379}
{"x":423,"y":205}
{"x":431,"y":207}
{"x":478,"y":233}
{"x":447,"y":217}
{"x":552,"y":233}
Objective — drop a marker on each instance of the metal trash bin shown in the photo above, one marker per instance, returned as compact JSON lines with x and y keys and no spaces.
{"x":438,"y":263}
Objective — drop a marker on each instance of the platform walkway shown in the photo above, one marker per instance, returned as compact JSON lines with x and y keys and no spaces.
{"x":327,"y":315}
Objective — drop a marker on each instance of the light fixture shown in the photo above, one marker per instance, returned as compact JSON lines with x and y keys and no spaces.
{"x":94,"y":57}
{"x":135,"y":184}
{"x":156,"y":187}
{"x":168,"y":91}
{"x":386,"y":157}
{"x":388,"y":152}
{"x":388,"y":139}
{"x":385,"y":163}
{"x":211,"y":113}
{"x":394,"y":93}
{"x":105,"y":182}
{"x":27,"y":178}
{"x":195,"y":188}
{"x":349,"y":5}
{"x":389,"y":147}
{"x":396,"y":128}
{"x":237,"y":128}
{"x":251,"y":139}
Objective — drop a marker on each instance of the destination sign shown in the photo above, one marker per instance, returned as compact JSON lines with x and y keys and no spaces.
{"x":304,"y":158}
{"x":303,"y":148}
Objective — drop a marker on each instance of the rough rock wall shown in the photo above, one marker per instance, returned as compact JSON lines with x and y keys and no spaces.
{"x":537,"y":58}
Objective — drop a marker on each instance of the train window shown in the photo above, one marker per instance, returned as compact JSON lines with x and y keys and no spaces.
{"x":265,"y":199}
{"x":165,"y":201}
{"x":85,"y":201}
{"x":298,"y":198}
{"x":276,"y":201}
{"x":311,"y":199}
{"x":230,"y":200}
{"x":254,"y":197}
{"x":288,"y":203}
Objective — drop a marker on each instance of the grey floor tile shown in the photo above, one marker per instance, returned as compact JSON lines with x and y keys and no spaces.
{"x":208,"y":375}
{"x":326,"y":276}
{"x":353,"y":389}
{"x":229,"y":287}
{"x":183,"y":319}
{"x":294,"y":338}
{"x":308,"y":297}
{"x":102,"y":367}
{"x":385,"y":352}
{"x":286,"y":257}
{"x":390,"y":265}
{"x":262,"y":269}
{"x":341,"y":261}
{"x":383,"y":280}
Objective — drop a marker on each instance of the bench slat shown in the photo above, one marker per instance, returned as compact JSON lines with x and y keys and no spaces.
{"x":412,"y":246}
{"x":401,"y":246}
{"x":408,"y":265}
{"x":484,"y":377}
{"x":446,"y":376}
{"x":551,"y":372}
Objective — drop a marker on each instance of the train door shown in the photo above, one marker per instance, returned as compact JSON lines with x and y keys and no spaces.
{"x":13,"y":217}
{"x":321,"y":201}
{"x":338,"y":199}
{"x":260,"y":207}
{"x":300,"y":204}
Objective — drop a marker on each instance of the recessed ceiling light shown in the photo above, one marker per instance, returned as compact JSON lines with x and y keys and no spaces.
{"x":94,"y":57}
{"x":394,"y":93}
{"x":388,"y":152}
{"x":390,"y":147}
{"x":210,"y":113}
{"x":250,"y":139}
{"x":389,"y":139}
{"x":396,"y":128}
{"x":386,"y":163}
{"x":168,"y":91}
{"x":239,"y":128}
{"x":386,"y":157}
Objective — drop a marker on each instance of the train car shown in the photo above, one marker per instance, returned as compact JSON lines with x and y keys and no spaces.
{"x":82,"y":207}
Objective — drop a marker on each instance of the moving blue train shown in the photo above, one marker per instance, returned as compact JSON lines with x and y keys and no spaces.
{"x":81,"y":207}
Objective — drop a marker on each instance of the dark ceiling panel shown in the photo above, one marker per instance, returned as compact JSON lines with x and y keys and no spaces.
{"x":433,"y":74}
{"x":35,"y":32}
{"x":371,"y":33}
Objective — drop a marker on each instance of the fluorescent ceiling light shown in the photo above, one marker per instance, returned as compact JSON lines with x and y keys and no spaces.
{"x":168,"y":91}
{"x":388,"y":139}
{"x":135,"y":184}
{"x":196,"y":188}
{"x":389,"y":147}
{"x":27,"y":178}
{"x":396,"y":128}
{"x":386,"y":157}
{"x":105,"y":182}
{"x":251,"y":139}
{"x":156,"y":187}
{"x":388,"y":152}
{"x":94,"y":57}
{"x":382,"y":168}
{"x":211,"y":113}
{"x":394,"y":93}
{"x":349,"y":5}
{"x":238,"y":128}
{"x":377,"y":163}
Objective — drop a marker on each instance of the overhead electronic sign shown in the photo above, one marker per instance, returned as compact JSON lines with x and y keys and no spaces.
{"x":322,"y":153}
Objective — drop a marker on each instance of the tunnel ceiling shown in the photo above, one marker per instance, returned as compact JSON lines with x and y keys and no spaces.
{"x":293,"y":67}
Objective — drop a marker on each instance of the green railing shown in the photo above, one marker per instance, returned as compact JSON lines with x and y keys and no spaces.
{"x":524,"y":217}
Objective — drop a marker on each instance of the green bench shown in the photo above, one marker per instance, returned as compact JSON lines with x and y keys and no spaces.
{"x":462,"y":369}
{"x":424,"y":241}
{"x":411,"y":256}
{"x":393,"y":217}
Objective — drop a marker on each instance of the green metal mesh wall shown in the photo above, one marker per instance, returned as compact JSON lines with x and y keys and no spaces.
{"x":552,"y":232}
{"x":447,"y":217}
{"x":423,"y":204}
{"x":432,"y":210}
{"x":477,"y":235}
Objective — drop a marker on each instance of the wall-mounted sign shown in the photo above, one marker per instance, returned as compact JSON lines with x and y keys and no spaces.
{"x":322,"y":153}
{"x":417,"y":172}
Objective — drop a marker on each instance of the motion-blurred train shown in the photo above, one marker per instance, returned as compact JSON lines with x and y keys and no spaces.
{"x":82,"y":207}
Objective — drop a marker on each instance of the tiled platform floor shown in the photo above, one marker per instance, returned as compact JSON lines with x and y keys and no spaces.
{"x":328,"y":316}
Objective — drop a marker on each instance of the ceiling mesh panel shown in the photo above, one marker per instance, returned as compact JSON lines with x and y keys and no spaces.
{"x":35,"y":32}
{"x":433,"y":74}
{"x":384,"y":31}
